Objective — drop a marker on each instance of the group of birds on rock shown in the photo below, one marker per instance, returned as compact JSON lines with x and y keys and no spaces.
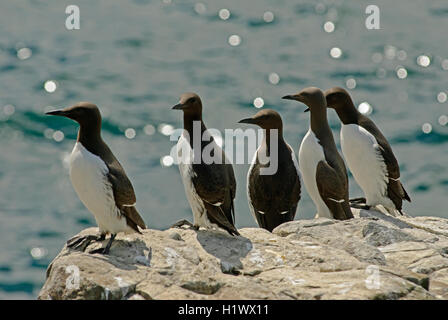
{"x":103,"y":187}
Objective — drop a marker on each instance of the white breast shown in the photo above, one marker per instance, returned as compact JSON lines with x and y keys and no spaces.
{"x":310,"y":153}
{"x":88,"y":176}
{"x":251,"y":207}
{"x":294,"y":160}
{"x":366,"y":163}
{"x":185,"y":157}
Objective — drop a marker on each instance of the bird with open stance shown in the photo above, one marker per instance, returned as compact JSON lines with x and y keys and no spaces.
{"x":369,"y":156}
{"x":322,"y":168}
{"x":99,"y":180}
{"x":209,"y":184}
{"x":272,"y":196}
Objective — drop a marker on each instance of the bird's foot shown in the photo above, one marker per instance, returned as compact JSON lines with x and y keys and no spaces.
{"x":105,"y":250}
{"x":100,"y":251}
{"x":358,"y":200}
{"x":81,"y":243}
{"x":179,"y":224}
{"x":360,"y":206}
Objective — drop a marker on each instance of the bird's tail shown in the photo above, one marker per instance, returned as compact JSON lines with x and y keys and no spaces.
{"x":133,"y":218}
{"x":405,"y":194}
{"x":217,"y":216}
{"x":232,"y":207}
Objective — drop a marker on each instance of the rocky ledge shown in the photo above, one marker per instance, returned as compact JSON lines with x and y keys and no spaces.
{"x":373,"y":256}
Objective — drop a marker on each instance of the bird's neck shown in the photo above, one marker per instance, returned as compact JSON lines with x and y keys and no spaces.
{"x":319,"y":123}
{"x":348,"y":114}
{"x":270,"y":136}
{"x":192,"y":120}
{"x":90,"y":137}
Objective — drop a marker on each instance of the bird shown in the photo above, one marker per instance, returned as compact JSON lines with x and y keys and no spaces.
{"x":322,"y":168}
{"x":210,"y":186}
{"x":99,"y":180}
{"x":273,"y":197}
{"x":369,"y":156}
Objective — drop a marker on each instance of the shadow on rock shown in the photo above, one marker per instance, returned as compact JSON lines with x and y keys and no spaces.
{"x":228,"y":249}
{"x":376,"y":214}
{"x":126,"y":254}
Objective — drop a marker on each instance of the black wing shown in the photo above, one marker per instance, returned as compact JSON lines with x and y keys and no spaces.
{"x":274,"y":198}
{"x":215,"y":185}
{"x":395,"y":189}
{"x":333,"y":190}
{"x":124,"y":195}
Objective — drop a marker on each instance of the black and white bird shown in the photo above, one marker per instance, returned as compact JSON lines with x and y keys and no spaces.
{"x":368,"y":155}
{"x":273,"y":196}
{"x":99,"y":180}
{"x":321,"y":166}
{"x":210,"y":186}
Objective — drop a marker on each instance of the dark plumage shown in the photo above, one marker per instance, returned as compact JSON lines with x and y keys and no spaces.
{"x":210,"y":187}
{"x":273,"y":198}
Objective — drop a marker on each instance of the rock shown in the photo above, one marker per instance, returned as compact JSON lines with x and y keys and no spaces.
{"x":373,"y":256}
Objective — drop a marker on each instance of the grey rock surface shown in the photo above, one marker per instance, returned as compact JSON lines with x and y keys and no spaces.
{"x":373,"y":256}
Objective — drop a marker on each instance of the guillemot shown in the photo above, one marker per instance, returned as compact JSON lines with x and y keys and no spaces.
{"x":210,"y":187}
{"x":368,"y":155}
{"x":273,"y":198}
{"x":321,"y":166}
{"x":99,"y":179}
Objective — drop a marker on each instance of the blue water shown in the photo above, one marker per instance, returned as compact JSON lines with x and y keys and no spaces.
{"x":134,"y":59}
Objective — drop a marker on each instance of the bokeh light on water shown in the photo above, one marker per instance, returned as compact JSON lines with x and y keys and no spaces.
{"x":335,"y":52}
{"x":365,"y":108}
{"x":234,"y":40}
{"x":224,"y":14}
{"x":258,"y":102}
{"x":50,"y":86}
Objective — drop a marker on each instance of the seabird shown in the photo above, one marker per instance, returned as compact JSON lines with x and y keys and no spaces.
{"x":322,"y":168}
{"x":99,"y":179}
{"x":210,"y":187}
{"x":368,"y":155}
{"x":273,"y":198}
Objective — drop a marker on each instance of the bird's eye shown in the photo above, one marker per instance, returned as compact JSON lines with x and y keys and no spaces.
{"x":191,"y":100}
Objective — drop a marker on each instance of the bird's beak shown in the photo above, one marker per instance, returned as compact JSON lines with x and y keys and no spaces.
{"x":61,"y":113}
{"x":296,"y":98}
{"x":248,"y":120}
{"x":289,"y":97}
{"x":178,"y":106}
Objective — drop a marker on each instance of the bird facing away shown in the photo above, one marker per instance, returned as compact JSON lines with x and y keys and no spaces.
{"x":368,"y":155}
{"x":99,"y":180}
{"x":210,"y":187}
{"x":273,"y":198}
{"x":321,"y":166}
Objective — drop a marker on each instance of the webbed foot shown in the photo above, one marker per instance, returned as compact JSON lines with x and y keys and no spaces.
{"x":360,"y":206}
{"x":82,"y":242}
{"x":105,"y":250}
{"x":358,"y":200}
{"x":179,"y":224}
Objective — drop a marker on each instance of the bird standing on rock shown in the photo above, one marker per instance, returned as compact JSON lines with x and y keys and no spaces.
{"x":322,"y":168}
{"x":210,"y":186}
{"x":368,"y":155}
{"x":273,"y":197}
{"x":99,"y":179}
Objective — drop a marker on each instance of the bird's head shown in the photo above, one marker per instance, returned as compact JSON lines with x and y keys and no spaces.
{"x":312,"y":97}
{"x":189,"y":103}
{"x":266,"y":119}
{"x":85,"y":113}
